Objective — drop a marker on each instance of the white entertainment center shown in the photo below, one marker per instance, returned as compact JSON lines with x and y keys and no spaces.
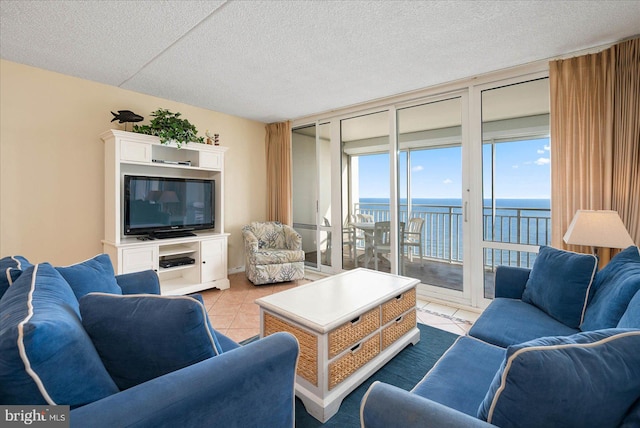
{"x":129,"y":153}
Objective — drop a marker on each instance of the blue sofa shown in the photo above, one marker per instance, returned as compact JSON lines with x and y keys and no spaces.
{"x":558,"y":346}
{"x":119,"y":354}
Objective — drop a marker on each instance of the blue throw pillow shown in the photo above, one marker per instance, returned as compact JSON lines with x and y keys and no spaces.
{"x":559,"y":284}
{"x":46,"y":357}
{"x":10,"y":269}
{"x":142,"y":336}
{"x":93,"y":275}
{"x":615,"y":285}
{"x":631,"y":316}
{"x":588,"y":379}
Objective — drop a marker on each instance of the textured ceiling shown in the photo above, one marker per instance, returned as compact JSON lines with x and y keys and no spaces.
{"x":276,"y":60}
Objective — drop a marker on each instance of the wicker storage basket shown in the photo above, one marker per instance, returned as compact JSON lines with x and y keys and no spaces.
{"x":395,"y":307}
{"x":351,"y":361}
{"x":398,"y":329}
{"x":348,"y":334}
{"x":308,"y":358}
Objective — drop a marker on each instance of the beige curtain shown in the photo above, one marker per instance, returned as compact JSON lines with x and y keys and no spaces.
{"x":592,"y":143}
{"x":278,"y":149}
{"x":626,"y":136}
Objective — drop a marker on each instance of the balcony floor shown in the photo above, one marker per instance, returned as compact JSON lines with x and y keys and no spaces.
{"x":430,"y":272}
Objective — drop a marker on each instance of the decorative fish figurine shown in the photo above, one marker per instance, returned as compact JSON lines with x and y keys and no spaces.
{"x":126,"y":116}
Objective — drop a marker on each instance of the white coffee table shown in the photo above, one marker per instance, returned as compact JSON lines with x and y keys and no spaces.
{"x":348,"y":326}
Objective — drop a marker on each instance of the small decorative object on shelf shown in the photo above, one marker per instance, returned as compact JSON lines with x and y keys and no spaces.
{"x":215,"y":139}
{"x":126,"y":116}
{"x":170,"y":128}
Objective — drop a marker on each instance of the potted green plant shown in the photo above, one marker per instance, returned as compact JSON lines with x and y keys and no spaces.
{"x":169,"y":127}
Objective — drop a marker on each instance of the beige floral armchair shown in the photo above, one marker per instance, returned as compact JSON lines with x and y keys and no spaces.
{"x":273,"y":253}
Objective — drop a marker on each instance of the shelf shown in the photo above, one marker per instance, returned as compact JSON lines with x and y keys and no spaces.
{"x":175,"y":249}
{"x":178,"y":287}
{"x":176,"y":268}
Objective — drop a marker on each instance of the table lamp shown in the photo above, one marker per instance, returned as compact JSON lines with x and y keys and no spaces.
{"x":598,"y":229}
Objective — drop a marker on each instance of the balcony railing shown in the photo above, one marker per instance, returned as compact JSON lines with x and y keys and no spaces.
{"x":442,"y":231}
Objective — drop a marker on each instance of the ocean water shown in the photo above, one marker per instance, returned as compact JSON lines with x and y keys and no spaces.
{"x":522,"y":221}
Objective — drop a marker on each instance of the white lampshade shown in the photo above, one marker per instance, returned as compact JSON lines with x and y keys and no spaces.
{"x":598,"y":229}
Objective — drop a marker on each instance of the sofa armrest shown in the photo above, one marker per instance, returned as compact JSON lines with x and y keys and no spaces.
{"x":252,"y":385}
{"x":144,"y":282}
{"x":250,"y":241}
{"x":387,"y":406}
{"x":510,"y":281}
{"x":292,"y":238}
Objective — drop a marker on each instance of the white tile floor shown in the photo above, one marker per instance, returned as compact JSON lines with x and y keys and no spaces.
{"x":234,"y":313}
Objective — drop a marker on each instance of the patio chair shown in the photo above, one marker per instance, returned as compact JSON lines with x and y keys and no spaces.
{"x":360,"y":235}
{"x":382,"y":239}
{"x":349,"y":236}
{"x":326,"y":255}
{"x":413,"y":237}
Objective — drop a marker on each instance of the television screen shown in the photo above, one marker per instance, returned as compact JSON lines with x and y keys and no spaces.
{"x":156,"y":204}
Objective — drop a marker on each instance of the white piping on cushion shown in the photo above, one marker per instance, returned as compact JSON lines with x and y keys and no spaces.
{"x":84,"y":261}
{"x":364,"y":401}
{"x":21,"y":348}
{"x":507,"y":367}
{"x":8,"y":271}
{"x":586,"y":296}
{"x":17,"y":262}
{"x":191,"y":299}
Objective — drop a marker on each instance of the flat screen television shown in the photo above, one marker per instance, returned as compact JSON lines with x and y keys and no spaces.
{"x":160,"y":206}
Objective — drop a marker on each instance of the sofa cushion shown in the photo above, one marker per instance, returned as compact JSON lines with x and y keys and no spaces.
{"x":588,"y":379}
{"x":631,"y":317}
{"x":615,"y":285}
{"x":508,"y":322}
{"x":10,"y":269}
{"x":91,"y":275}
{"x":455,"y":372}
{"x":46,"y":357}
{"x":560,"y":283}
{"x":277,"y":257}
{"x":142,"y":336}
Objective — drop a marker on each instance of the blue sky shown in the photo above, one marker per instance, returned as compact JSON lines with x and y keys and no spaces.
{"x":522,"y":172}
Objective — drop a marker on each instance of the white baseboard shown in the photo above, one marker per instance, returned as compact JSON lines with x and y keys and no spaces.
{"x":236,"y":269}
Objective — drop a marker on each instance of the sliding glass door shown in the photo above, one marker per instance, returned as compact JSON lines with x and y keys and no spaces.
{"x":442,"y":188}
{"x":366,"y":193}
{"x":311,"y":171}
{"x":430,"y":194}
{"x":516,"y":174}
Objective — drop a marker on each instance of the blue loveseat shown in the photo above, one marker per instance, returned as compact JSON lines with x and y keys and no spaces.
{"x":121,"y":355}
{"x":558,"y":346}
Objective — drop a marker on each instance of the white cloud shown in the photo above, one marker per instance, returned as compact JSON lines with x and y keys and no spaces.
{"x":542,"y":161}
{"x":540,"y":151}
{"x":547,"y":148}
{"x":515,"y":166}
{"x":417,"y":168}
{"x":448,"y":181}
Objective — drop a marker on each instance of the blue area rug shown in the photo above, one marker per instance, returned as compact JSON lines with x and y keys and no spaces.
{"x":403,"y":371}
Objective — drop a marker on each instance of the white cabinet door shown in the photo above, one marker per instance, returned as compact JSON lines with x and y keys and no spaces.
{"x":214,"y":259}
{"x":139,"y":259}
{"x":134,"y":151}
{"x":210,"y":160}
